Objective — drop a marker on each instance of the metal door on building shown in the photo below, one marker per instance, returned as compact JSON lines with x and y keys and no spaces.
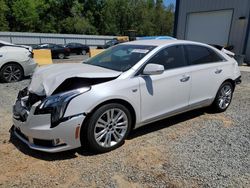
{"x":212,"y":27}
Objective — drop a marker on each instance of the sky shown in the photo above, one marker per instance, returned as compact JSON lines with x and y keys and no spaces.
{"x":167,"y":2}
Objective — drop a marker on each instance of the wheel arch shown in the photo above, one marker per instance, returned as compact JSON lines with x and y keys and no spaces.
{"x":227,"y":80}
{"x":119,"y":101}
{"x":230,"y":81}
{"x":12,"y":62}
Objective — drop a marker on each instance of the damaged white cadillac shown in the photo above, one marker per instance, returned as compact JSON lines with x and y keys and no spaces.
{"x":97,"y":103}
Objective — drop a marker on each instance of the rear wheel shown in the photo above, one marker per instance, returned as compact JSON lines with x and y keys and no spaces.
{"x":11,"y":72}
{"x":107,"y":128}
{"x":223,"y":97}
{"x":61,"y":56}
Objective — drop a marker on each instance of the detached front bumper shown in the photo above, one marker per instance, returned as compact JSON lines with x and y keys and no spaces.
{"x":36,"y":131}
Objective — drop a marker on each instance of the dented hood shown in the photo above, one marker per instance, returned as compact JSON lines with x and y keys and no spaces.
{"x":45,"y":80}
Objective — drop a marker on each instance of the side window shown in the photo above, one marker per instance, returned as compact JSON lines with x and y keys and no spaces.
{"x":215,"y":57}
{"x":50,"y":46}
{"x":200,"y":55}
{"x":44,"y":46}
{"x":170,"y":57}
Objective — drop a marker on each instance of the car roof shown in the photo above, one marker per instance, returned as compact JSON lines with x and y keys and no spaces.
{"x":161,"y":42}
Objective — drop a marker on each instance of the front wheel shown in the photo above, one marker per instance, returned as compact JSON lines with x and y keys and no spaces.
{"x":107,"y":128}
{"x":223,"y":97}
{"x":84,"y":52}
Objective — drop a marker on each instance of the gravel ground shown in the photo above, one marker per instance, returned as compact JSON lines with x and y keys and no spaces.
{"x":195,"y":149}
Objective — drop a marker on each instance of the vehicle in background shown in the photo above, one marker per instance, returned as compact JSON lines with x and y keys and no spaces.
{"x":78,"y":48}
{"x":95,"y":104}
{"x":16,"y":61}
{"x":108,"y":44}
{"x":113,"y":42}
{"x":57,"y":51}
{"x":122,"y":39}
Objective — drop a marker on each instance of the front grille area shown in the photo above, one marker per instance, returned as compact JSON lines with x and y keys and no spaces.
{"x":36,"y":141}
{"x":45,"y":143}
{"x":23,"y":104}
{"x":19,"y":112}
{"x":21,"y":134}
{"x":22,"y":93}
{"x":33,"y":98}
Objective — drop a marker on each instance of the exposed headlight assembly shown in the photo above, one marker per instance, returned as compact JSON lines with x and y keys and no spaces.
{"x":56,"y":105}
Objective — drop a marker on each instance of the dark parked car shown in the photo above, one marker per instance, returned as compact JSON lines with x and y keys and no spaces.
{"x":78,"y":48}
{"x":108,"y":44}
{"x":57,"y":51}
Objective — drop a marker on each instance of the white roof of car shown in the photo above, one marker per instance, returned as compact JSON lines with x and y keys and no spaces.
{"x":160,"y":42}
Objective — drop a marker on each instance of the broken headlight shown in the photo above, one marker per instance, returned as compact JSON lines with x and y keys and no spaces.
{"x":56,"y":105}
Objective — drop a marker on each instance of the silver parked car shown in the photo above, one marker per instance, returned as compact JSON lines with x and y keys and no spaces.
{"x":97,"y":103}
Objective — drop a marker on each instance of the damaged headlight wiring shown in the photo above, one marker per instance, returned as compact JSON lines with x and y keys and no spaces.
{"x":56,"y":104}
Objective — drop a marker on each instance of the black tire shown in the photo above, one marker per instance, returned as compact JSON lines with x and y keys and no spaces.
{"x":88,"y":139}
{"x":83,"y":52}
{"x":15,"y":72}
{"x":217,"y":106}
{"x":61,"y":55}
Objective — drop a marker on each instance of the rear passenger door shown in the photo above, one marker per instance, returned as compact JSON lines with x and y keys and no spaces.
{"x":206,"y":69}
{"x":167,"y":93}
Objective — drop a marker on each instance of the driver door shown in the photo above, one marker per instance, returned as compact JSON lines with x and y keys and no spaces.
{"x":169,"y":92}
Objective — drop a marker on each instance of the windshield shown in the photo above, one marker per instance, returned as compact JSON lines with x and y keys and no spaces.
{"x":121,"y":57}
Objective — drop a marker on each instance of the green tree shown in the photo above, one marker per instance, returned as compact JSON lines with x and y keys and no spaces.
{"x":25,"y":15}
{"x":106,"y":17}
{"x":4,"y":26}
{"x":76,"y":23}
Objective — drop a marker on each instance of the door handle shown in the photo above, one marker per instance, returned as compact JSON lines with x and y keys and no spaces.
{"x":218,"y":71}
{"x":185,"y":78}
{"x":1,"y":55}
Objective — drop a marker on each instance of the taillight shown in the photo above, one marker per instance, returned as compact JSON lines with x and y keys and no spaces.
{"x":67,"y":49}
{"x":31,"y":55}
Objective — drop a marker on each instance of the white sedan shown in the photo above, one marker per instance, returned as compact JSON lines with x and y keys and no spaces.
{"x":16,"y":61}
{"x":97,"y":103}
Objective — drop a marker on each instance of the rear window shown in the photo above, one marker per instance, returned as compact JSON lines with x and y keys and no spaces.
{"x":200,"y":55}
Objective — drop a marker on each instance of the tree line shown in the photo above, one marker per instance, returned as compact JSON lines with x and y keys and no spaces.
{"x":104,"y":17}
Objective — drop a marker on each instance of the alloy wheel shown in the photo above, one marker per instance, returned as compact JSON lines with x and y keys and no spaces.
{"x":225,"y":96}
{"x":111,"y":127}
{"x":84,"y":52}
{"x":61,"y":56}
{"x":12,"y":73}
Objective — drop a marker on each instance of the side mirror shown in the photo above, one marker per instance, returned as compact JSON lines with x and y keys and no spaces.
{"x":153,"y":69}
